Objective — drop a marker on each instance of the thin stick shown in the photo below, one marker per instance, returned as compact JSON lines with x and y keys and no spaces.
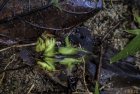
{"x":17,"y":46}
{"x":3,"y":75}
{"x":84,"y":80}
{"x":19,"y":68}
{"x":110,"y":30}
{"x":31,"y":88}
{"x":47,"y":28}
{"x":100,"y":63}
{"x":3,"y":4}
{"x":85,"y":84}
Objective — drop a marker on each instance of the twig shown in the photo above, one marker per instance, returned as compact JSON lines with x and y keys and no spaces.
{"x":47,"y":28}
{"x":110,"y":30}
{"x":85,"y":84}
{"x":17,"y":46}
{"x":31,"y":88}
{"x":2,"y":35}
{"x":13,"y":58}
{"x":3,"y":4}
{"x":84,"y":80}
{"x":100,"y":63}
{"x":101,"y":49}
{"x":19,"y":68}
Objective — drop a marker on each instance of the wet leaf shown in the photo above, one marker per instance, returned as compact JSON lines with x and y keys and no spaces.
{"x":135,"y":31}
{"x":37,"y":15}
{"x":27,"y":56}
{"x":130,"y":49}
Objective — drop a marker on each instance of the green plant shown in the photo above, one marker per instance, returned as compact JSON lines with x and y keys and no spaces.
{"x":132,"y":47}
{"x":40,"y":46}
{"x":47,"y":47}
{"x":50,"y":47}
{"x":46,"y":65}
{"x":50,"y":50}
{"x":96,"y":88}
{"x":70,"y":62}
{"x":68,"y":49}
{"x":56,"y":4}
